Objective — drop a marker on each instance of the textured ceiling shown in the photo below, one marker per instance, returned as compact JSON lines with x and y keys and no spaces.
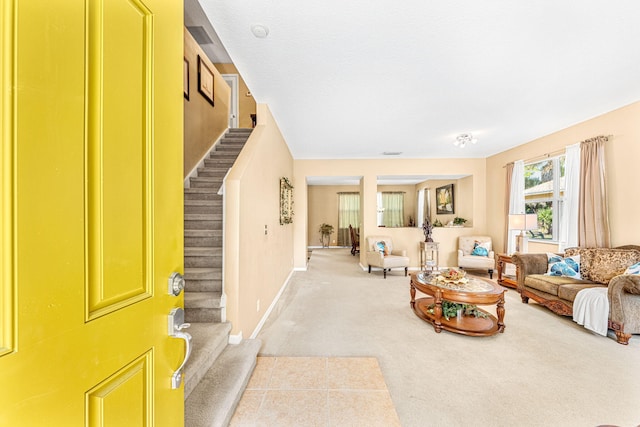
{"x":355,"y":79}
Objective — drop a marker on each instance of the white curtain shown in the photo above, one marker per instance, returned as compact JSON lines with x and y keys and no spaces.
{"x":516,"y":200}
{"x":569,"y":220}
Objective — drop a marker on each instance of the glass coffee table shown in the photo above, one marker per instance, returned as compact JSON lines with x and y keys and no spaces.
{"x":472,"y":290}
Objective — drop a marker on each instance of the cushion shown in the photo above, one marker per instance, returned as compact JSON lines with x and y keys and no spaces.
{"x":382,"y":248}
{"x":602,"y":264}
{"x":480,"y":251}
{"x":569,"y":292}
{"x":567,"y":267}
{"x":634,"y":269}
{"x":551,"y":284}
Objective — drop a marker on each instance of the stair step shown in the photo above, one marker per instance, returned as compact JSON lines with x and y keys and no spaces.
{"x":209,"y":340}
{"x":228,"y":148}
{"x":213,"y":238}
{"x":202,"y":224}
{"x":216,"y":162}
{"x":202,"y":299}
{"x":214,"y":400}
{"x":203,"y":207}
{"x":195,"y":273}
{"x":203,"y":251}
{"x":203,"y":315}
{"x":219,"y":172}
{"x":202,"y":257}
{"x":205,"y":181}
{"x":213,"y":285}
{"x":201,"y":195}
{"x":203,"y":279}
{"x":213,"y":203}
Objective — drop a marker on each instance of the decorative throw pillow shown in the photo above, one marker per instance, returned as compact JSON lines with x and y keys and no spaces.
{"x":567,"y":267}
{"x":634,"y":269}
{"x":382,"y":248}
{"x":480,"y":251}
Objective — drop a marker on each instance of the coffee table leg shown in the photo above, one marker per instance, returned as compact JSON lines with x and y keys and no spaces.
{"x":500,"y":312}
{"x":437,"y":311}
{"x":412,"y":291}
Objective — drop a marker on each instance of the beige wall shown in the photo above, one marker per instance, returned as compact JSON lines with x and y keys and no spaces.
{"x":246,"y":103}
{"x":404,"y":237}
{"x":622,"y":153}
{"x":203,"y":123}
{"x":257,"y":263}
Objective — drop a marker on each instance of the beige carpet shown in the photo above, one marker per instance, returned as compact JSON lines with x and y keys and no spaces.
{"x":545,"y":370}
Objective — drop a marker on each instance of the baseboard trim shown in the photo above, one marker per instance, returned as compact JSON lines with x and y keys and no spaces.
{"x":260,"y":324}
{"x":235,"y":339}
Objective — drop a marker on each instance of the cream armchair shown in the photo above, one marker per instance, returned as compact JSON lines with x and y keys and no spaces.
{"x":466,"y":259}
{"x":380,"y":253}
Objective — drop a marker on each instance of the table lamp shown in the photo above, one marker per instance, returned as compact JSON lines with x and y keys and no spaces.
{"x":522,"y":222}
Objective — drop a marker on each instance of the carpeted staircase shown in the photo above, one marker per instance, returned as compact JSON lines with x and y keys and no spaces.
{"x":216,"y":374}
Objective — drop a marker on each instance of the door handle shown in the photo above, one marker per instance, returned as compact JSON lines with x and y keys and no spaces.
{"x":176,"y":325}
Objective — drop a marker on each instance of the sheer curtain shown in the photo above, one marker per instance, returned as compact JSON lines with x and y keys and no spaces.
{"x":569,"y":218}
{"x":348,"y":214}
{"x":507,"y":206}
{"x":593,"y":216}
{"x":516,"y":201}
{"x":393,"y":204}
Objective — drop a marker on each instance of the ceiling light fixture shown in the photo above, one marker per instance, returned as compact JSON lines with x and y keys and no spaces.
{"x":260,"y":31}
{"x":464,"y":138}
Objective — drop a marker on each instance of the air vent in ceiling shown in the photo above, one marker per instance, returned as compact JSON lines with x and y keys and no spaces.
{"x":200,"y":34}
{"x":392,"y":153}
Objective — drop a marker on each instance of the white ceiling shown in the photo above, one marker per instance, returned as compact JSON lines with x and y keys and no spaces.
{"x":354,"y":79}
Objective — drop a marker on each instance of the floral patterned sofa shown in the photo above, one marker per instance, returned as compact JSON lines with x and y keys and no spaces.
{"x":599,"y":267}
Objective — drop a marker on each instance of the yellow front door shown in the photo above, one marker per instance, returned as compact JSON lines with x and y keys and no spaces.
{"x":90,"y":211}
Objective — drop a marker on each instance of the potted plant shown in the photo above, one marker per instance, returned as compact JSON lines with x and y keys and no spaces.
{"x":325,"y":231}
{"x":459,"y":221}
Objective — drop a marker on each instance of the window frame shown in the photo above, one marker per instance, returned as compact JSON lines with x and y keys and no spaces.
{"x":557,"y":198}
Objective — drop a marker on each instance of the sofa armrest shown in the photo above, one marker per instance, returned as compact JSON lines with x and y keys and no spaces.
{"x":399,"y":252}
{"x":491,"y":255}
{"x":618,"y":287}
{"x":529,"y":264}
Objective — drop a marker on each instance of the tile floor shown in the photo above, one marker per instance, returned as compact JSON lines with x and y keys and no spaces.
{"x":316,"y":391}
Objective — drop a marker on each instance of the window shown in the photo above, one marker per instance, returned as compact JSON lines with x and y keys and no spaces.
{"x":348,"y":215}
{"x":391,"y":209}
{"x":544,"y":195}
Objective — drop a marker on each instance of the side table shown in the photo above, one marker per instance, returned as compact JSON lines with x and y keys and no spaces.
{"x":506,"y":281}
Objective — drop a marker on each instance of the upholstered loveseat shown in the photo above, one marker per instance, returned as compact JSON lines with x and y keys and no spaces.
{"x":599,"y":267}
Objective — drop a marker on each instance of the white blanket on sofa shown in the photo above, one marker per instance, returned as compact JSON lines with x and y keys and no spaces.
{"x":591,"y":309}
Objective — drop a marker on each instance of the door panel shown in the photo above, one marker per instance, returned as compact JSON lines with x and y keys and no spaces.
{"x":118,"y":193}
{"x":7,"y":180}
{"x":93,"y":226}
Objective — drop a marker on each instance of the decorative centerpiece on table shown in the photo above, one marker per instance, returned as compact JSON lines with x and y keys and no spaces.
{"x":452,"y":309}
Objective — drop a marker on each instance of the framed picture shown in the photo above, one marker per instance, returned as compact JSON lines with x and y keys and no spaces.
{"x":444,"y":199}
{"x":286,"y":201}
{"x":205,"y":81}
{"x":185,"y":83}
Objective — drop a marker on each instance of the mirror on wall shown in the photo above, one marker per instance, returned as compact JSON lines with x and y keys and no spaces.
{"x":406,"y":200}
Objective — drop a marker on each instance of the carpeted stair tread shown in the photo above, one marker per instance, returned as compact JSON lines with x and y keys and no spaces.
{"x":208,"y":341}
{"x":202,"y":273}
{"x":203,"y":251}
{"x":213,"y":402}
{"x":202,"y":233}
{"x":203,"y":217}
{"x":203,"y":202}
{"x":202,"y":300}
